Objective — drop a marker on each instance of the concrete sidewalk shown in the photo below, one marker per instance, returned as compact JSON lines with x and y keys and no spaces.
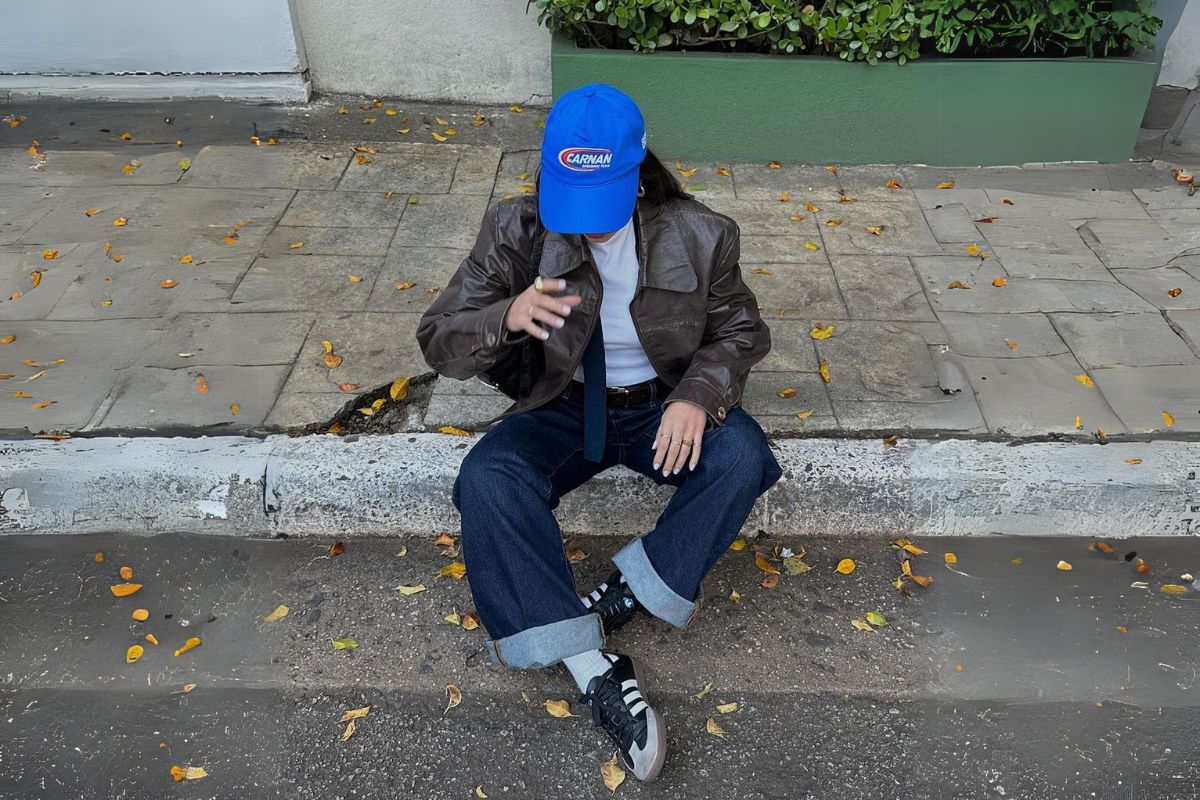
{"x":1095,"y":328}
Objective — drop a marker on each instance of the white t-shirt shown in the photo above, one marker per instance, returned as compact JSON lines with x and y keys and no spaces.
{"x":624,"y":359}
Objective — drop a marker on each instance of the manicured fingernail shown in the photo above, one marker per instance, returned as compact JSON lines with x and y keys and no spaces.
{"x":677,"y":469}
{"x":558,"y":323}
{"x":545,"y":334}
{"x":566,"y":310}
{"x":666,"y":472}
{"x":656,"y":466}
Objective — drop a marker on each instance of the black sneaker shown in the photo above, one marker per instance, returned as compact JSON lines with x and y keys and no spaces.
{"x":619,"y":706}
{"x":613,"y":600}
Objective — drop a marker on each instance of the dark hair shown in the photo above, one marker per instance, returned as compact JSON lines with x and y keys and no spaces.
{"x":658,"y":183}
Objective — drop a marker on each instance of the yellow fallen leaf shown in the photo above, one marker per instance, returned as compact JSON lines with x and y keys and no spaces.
{"x":453,"y":618}
{"x":185,"y":259}
{"x":893,"y":184}
{"x":824,"y":370}
{"x":120,"y":222}
{"x":234,"y":409}
{"x":454,"y":694}
{"x":846,"y":566}
{"x":150,"y":637}
{"x":951,"y":558}
{"x":190,"y":644}
{"x":762,"y":271}
{"x":797,"y":217}
{"x":35,"y":376}
{"x":957,"y":285}
{"x":279,"y":613}
{"x":480,"y":793}
{"x":833,"y":223}
{"x":125,"y":137}
{"x":453,"y":431}
{"x":805,"y":414}
{"x":36,"y":277}
{"x":438,"y":136}
{"x":49,"y":255}
{"x":362,"y":160}
{"x":1064,"y":566}
{"x":723,"y":171}
{"x":611,"y":774}
{"x":126,"y":573}
{"x":847,"y":198}
{"x":810,"y":208}
{"x":91,"y":211}
{"x":470,"y":622}
{"x":455,"y":570}
{"x":177,"y":773}
{"x":195,"y":773}
{"x":332,"y":360}
{"x":1168,"y":420}
{"x":1011,"y":344}
{"x":716,"y":730}
{"x":402,"y":131}
{"x":785,"y":197}
{"x":105,"y":303}
{"x":734,"y":596}
{"x":761,"y":562}
{"x":1085,"y":380}
{"x":355,"y":713}
{"x":134,"y":653}
{"x":738,"y":544}
{"x":201,"y":385}
{"x":124,"y":589}
{"x":727,"y":708}
{"x":1173,"y":588}
{"x":140,"y":614}
{"x":354,"y":278}
{"x":1174,"y":292}
{"x":168,"y":283}
{"x":787,"y":393}
{"x":822,"y":332}
{"x":945,"y":185}
{"x":408,"y":591}
{"x":399,"y":388}
{"x":351,"y":727}
{"x":862,"y":625}
{"x":875,"y":230}
{"x":43,"y":404}
{"x":973,"y":250}
{"x":12,"y":337}
{"x":185,"y":164}
{"x":559,"y":709}
{"x":773,"y":165}
{"x":998,"y":282}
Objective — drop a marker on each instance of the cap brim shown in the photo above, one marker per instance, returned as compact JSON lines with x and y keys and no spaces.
{"x":587,"y":209}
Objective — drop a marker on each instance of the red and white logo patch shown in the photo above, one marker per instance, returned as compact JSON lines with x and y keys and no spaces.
{"x":585,"y":159}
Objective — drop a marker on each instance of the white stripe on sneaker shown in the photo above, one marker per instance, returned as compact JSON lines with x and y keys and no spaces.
{"x":638,"y":707}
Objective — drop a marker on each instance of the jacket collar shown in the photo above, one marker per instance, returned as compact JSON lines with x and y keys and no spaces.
{"x":662,"y":254}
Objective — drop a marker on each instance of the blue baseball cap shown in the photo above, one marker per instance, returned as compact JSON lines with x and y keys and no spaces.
{"x":591,"y":156}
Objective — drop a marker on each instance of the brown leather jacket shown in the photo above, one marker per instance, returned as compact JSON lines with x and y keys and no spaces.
{"x":697,"y":320}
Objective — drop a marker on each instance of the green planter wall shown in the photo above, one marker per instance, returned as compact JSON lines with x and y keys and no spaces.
{"x":815,"y":109}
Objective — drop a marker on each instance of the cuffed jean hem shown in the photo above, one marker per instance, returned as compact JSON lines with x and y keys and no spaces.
{"x":548,"y":644}
{"x":650,"y":590}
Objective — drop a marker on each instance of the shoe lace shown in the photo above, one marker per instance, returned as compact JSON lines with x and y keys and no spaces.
{"x":610,"y":712}
{"x":612,"y":603}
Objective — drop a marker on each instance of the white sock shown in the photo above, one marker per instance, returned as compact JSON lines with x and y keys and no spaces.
{"x":586,"y":666}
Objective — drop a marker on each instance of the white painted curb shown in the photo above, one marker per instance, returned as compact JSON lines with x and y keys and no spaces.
{"x":400,"y":485}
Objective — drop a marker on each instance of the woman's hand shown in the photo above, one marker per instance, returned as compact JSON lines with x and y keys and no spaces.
{"x":531,"y":307}
{"x":679,"y":433}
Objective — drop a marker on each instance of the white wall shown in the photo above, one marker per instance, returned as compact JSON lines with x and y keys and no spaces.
{"x":482,"y":51}
{"x":1181,"y":58}
{"x":151,"y":49}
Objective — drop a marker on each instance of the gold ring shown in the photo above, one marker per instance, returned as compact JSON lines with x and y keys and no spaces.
{"x":539,"y":285}
{"x":688,"y":442}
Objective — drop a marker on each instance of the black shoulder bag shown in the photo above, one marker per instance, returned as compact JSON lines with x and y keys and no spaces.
{"x":515,"y":372}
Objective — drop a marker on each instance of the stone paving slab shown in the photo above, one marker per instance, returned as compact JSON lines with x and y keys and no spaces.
{"x":1090,"y":256}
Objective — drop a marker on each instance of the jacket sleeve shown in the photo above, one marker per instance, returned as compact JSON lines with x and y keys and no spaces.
{"x":462,"y":333}
{"x":735,"y":339}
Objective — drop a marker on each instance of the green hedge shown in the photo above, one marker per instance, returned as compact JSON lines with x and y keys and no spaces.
{"x":867,"y":31}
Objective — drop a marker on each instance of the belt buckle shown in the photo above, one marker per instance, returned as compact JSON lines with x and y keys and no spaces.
{"x":617,"y":391}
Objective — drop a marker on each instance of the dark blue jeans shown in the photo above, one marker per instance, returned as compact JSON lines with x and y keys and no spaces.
{"x":512,"y":480}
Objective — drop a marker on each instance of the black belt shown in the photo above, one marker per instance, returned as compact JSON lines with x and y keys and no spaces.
{"x":623,"y":396}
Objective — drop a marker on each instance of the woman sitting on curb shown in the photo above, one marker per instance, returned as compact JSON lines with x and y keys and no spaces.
{"x":648,"y":333}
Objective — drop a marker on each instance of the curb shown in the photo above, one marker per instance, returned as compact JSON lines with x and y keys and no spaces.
{"x":400,"y":485}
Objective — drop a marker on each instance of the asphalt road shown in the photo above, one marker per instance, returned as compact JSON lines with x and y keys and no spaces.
{"x":1072,"y":683}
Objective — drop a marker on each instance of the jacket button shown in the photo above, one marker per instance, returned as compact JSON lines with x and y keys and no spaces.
{"x":720,"y":412}
{"x":491,"y":339}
